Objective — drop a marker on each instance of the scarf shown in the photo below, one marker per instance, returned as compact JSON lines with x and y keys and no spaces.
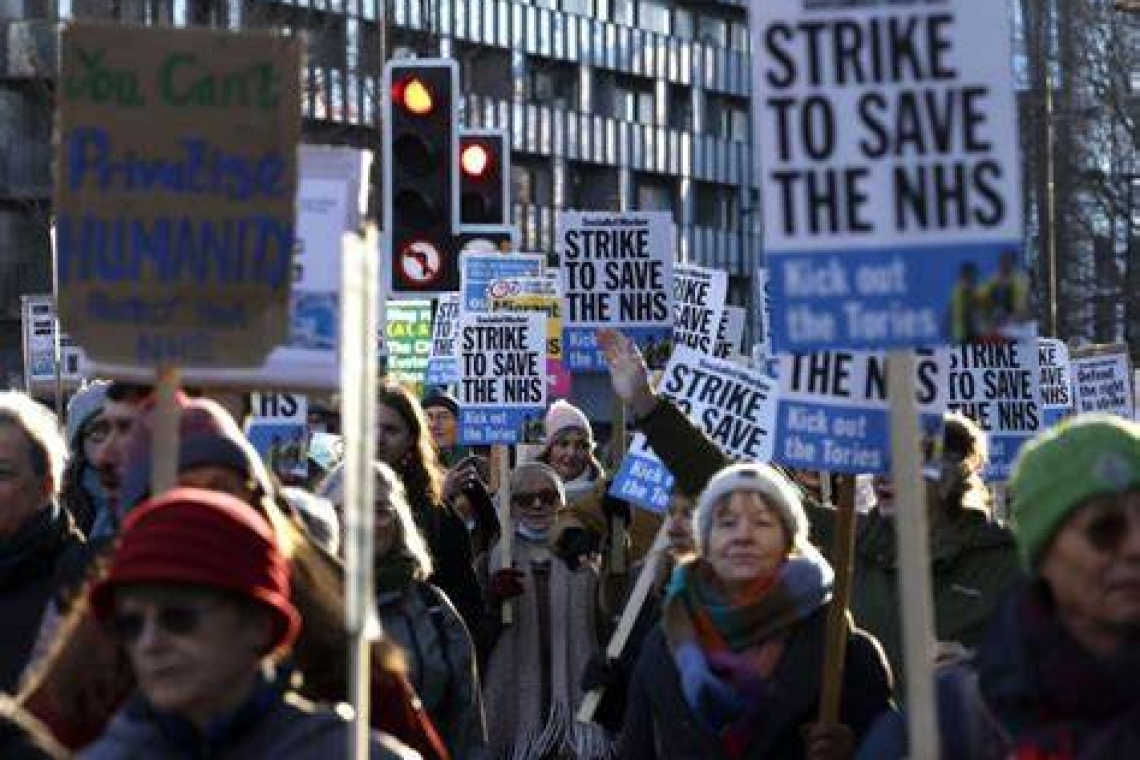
{"x":707,"y":632}
{"x":34,"y":541}
{"x":581,"y":485}
{"x":395,"y":571}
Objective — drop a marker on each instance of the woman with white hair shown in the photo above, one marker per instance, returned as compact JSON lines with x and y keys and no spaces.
{"x":420,"y":618}
{"x":734,"y":668}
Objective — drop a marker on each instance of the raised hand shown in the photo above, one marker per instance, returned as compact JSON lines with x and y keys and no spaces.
{"x":629,"y":374}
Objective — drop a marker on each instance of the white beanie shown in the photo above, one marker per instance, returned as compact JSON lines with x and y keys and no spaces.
{"x":776,"y":489}
{"x":563,"y":416}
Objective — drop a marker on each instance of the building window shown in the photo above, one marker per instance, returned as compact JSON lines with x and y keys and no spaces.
{"x":654,"y":16}
{"x":657,"y":193}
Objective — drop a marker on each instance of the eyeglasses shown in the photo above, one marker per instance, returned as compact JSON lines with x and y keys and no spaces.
{"x":173,"y":619}
{"x":524,"y":498}
{"x":1108,"y":529}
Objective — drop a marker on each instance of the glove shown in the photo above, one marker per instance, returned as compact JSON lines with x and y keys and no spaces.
{"x":828,"y":741}
{"x":573,"y":544}
{"x":505,"y":584}
{"x":601,"y":672}
{"x":715,"y":703}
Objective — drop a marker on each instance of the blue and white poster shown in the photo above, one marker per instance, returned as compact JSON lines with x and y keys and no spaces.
{"x":734,"y":405}
{"x":441,"y":368}
{"x":279,"y":430}
{"x":997,"y":385}
{"x":1056,"y":380}
{"x":502,"y":376}
{"x":834,"y":411}
{"x":617,"y":271}
{"x":889,"y":156}
{"x":480,"y":271}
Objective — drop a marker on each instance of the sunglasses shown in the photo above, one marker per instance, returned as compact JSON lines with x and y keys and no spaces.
{"x":524,"y":498}
{"x":172,"y":619}
{"x":1106,"y":531}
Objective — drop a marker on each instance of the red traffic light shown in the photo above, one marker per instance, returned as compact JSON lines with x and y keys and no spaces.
{"x":475,"y":160}
{"x":414,"y":95}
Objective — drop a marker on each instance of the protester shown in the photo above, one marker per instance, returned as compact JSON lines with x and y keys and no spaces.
{"x":23,"y":738}
{"x":404,"y":444}
{"x":973,"y":559}
{"x":735,"y":668}
{"x":81,"y":493}
{"x":535,"y":663}
{"x":197,"y":593}
{"x":84,"y":680}
{"x":465,"y":489}
{"x":437,"y":645}
{"x":442,"y":412}
{"x":37,"y":535}
{"x":112,"y":428}
{"x":1058,"y":674}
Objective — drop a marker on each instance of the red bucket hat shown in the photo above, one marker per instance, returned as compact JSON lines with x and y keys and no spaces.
{"x":202,"y":538}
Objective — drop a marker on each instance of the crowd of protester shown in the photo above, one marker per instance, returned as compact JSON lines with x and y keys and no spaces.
{"x":209,"y":621}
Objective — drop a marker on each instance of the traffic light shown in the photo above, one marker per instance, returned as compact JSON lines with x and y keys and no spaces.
{"x":421,"y":195}
{"x":484,"y":171}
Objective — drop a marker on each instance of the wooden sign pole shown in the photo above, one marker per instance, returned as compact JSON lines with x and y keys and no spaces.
{"x":164,"y":432}
{"x":835,"y":647}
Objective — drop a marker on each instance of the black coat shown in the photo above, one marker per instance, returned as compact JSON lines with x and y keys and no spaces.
{"x":660,"y":724}
{"x":29,"y":580}
{"x":450,"y":546}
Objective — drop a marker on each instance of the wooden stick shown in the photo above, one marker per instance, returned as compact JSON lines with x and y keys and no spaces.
{"x":164,"y":432}
{"x":629,"y":615}
{"x":914,"y":558}
{"x":835,"y":647}
{"x":506,"y":528}
{"x":618,"y":561}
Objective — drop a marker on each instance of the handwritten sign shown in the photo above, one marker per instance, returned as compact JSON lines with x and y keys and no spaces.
{"x":175,"y":190}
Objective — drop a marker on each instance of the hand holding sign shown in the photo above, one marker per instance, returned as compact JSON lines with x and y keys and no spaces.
{"x":628,"y":371}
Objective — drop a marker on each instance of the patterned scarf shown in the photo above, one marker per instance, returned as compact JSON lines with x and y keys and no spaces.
{"x":706,"y":630}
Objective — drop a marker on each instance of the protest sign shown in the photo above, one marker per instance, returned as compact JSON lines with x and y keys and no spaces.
{"x":502,"y":376}
{"x":888,"y":145}
{"x":175,"y":192}
{"x":538,"y":294}
{"x":441,"y":368}
{"x":39,"y":333}
{"x":730,"y":334}
{"x":698,"y":306}
{"x":997,"y":385}
{"x":834,"y":411}
{"x":734,"y":405}
{"x":479,"y":270}
{"x":1101,"y":377}
{"x":408,"y":330}
{"x":279,"y":430}
{"x":616,"y":271}
{"x":1056,"y":380}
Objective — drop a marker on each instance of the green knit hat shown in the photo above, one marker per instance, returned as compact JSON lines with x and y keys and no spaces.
{"x":1085,"y":456}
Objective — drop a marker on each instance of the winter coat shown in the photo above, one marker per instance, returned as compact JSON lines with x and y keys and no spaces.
{"x":30,"y":569}
{"x":450,"y":547}
{"x":973,"y":558}
{"x":660,"y":723}
{"x":440,"y":657}
{"x":292,"y":729}
{"x":588,"y":511}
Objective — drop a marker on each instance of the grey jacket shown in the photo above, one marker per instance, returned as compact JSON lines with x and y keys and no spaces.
{"x":292,"y":730}
{"x":441,"y":664}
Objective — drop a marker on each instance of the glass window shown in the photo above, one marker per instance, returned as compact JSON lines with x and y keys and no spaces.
{"x":654,"y":16}
{"x":712,"y":31}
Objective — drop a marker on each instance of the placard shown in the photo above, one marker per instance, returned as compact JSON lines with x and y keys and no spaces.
{"x":502,"y":376}
{"x":889,"y":154}
{"x":617,"y":271}
{"x":997,"y":385}
{"x":279,"y":430}
{"x":441,"y":368}
{"x":480,"y":269}
{"x":1056,"y":380}
{"x":1101,"y":377}
{"x":834,"y":411}
{"x":538,"y":294}
{"x":699,"y":297}
{"x":730,"y":334}
{"x":176,"y":183}
{"x":408,"y":329}
{"x":734,"y":405}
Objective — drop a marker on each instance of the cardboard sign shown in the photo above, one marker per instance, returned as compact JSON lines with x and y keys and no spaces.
{"x":480,"y":270}
{"x":441,"y":368}
{"x":408,"y":330}
{"x":891,"y":166}
{"x":834,"y":411}
{"x":1101,"y":377}
{"x":39,"y":324}
{"x":175,"y":189}
{"x":279,"y":431}
{"x":617,"y":271}
{"x":538,"y":294}
{"x":698,"y":304}
{"x":997,"y":385}
{"x":1056,"y":380}
{"x":730,"y":334}
{"x":502,"y":376}
{"x":734,"y":405}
